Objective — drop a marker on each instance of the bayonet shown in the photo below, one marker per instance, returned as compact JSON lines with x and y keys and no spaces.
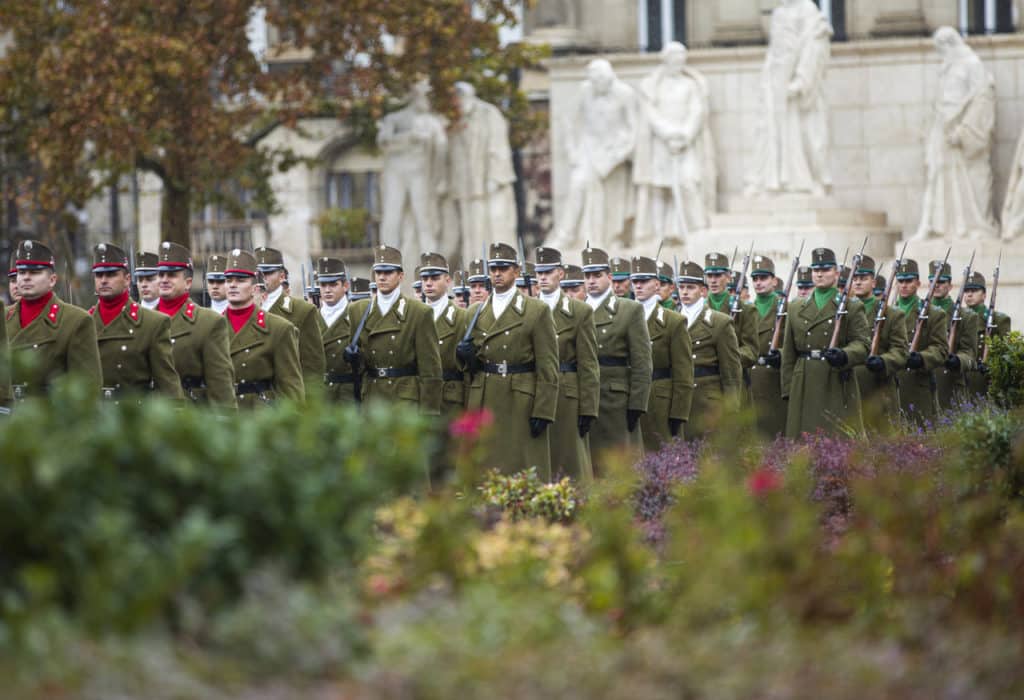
{"x":883,"y":303}
{"x":782,"y":309}
{"x":925,"y":306}
{"x":844,"y":297}
{"x":133,"y":285}
{"x":990,"y":313}
{"x":736,"y":307}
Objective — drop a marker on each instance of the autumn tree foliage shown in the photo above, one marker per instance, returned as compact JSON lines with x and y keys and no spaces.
{"x":93,"y":89}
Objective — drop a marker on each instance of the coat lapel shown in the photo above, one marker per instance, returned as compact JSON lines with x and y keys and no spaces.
{"x":445,"y":323}
{"x":253,"y":333}
{"x":512,"y":316}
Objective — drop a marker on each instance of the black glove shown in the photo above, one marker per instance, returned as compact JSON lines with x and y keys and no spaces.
{"x":876,"y":364}
{"x":953,"y":363}
{"x":675,"y":425}
{"x":538,"y":426}
{"x":836,"y":357}
{"x":353,"y":356}
{"x":915,"y":361}
{"x":465,"y":351}
{"x":983,"y":367}
{"x":773,"y":359}
{"x":583,"y":423}
{"x":632,"y":418}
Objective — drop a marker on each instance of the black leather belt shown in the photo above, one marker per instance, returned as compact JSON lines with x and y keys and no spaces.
{"x":338,"y":378}
{"x":565,"y":367}
{"x":391,"y":372}
{"x":117,"y":392}
{"x":710,"y":371}
{"x":661,"y":373}
{"x":452,"y":375}
{"x":190,"y":383}
{"x":243,"y":388}
{"x":613,"y":361}
{"x":812,"y":355}
{"x":504,"y":368}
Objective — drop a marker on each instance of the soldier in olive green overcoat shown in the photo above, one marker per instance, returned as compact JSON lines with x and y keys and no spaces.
{"x":951,"y":377}
{"x":48,"y":337}
{"x":298,"y":312}
{"x":450,"y":322}
{"x":579,"y":384}
{"x":335,"y":329}
{"x":399,"y":357}
{"x":918,"y":389}
{"x":671,"y":358}
{"x":765,"y":375}
{"x":974,"y":298}
{"x":200,"y":338}
{"x":513,"y":366}
{"x":264,"y":347}
{"x":817,"y":377}
{"x":876,"y":378}
{"x":718,"y":277}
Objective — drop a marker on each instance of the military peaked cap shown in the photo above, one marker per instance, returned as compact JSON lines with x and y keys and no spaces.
{"x":822,"y":258}
{"x":880,"y":284}
{"x":146,"y":264}
{"x":573,"y":276}
{"x":975,"y":281}
{"x":595,"y":260}
{"x":803,"y":277}
{"x":215,"y":266}
{"x":620,"y":268}
{"x":269,"y":259}
{"x":386,"y":259}
{"x":174,"y":257}
{"x":642,"y":268}
{"x":548,"y":259}
{"x":762,"y":265}
{"x":502,"y":255}
{"x":907,"y":270}
{"x":330,"y":270}
{"x":33,"y":255}
{"x":527,"y":270}
{"x":360,"y":289}
{"x":477,"y":273}
{"x":12,"y":270}
{"x":432,"y":264}
{"x":716,"y":263}
{"x":241,"y":263}
{"x":107,"y":257}
{"x":867,"y":266}
{"x":690,"y":273}
{"x":947,"y":271}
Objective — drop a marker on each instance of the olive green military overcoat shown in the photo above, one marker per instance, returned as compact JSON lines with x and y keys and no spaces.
{"x":918,"y":396}
{"x":201,"y":345}
{"x":523,"y":334}
{"x":266,"y":350}
{"x":977,"y":382}
{"x":951,"y":384}
{"x":6,"y":395}
{"x":822,"y":396}
{"x":61,"y":340}
{"x":718,"y":375}
{"x":451,"y":327}
{"x":879,"y":392}
{"x":306,"y":318}
{"x":135,"y":351}
{"x":766,"y":382}
{"x":672,"y":396}
{"x":338,"y":372}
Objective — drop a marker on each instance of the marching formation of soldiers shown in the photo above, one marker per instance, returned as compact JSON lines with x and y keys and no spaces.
{"x":578,"y":363}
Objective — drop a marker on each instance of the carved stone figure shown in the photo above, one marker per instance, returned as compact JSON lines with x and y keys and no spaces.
{"x":674,"y":163}
{"x":413,"y":177}
{"x":791,"y":140}
{"x":958,"y":149}
{"x":601,"y":138}
{"x":480,"y":167}
{"x":1013,"y":206}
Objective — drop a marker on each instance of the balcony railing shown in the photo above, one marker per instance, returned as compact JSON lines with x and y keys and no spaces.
{"x":223,"y":236}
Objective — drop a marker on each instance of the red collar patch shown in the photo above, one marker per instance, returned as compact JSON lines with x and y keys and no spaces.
{"x":11,"y":311}
{"x":92,"y":311}
{"x":261,"y":319}
{"x":133,"y":311}
{"x":54,"y":309}
{"x":190,"y":309}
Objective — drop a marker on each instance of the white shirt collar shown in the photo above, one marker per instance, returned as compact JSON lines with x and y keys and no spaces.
{"x":271,"y":298}
{"x":595,"y":302}
{"x":501,"y":301}
{"x":330,"y":313}
{"x":693,"y":311}
{"x":551,"y":299}
{"x":219,"y":306}
{"x":438,"y":306}
{"x":385,"y":301}
{"x":650,"y":305}
{"x":150,"y":304}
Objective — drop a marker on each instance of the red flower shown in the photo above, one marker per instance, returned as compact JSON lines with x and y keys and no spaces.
{"x":471,"y":423}
{"x":763,"y":481}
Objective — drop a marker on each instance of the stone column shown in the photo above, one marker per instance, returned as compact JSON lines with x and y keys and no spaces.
{"x":738,"y":22}
{"x":900,"y":18}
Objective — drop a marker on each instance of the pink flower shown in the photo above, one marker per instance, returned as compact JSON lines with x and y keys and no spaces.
{"x":763,"y":481}
{"x":471,"y":423}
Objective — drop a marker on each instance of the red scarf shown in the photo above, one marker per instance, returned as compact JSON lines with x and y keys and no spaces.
{"x":28,"y":309}
{"x":238,"y":317}
{"x":110,"y":308}
{"x":172,"y":306}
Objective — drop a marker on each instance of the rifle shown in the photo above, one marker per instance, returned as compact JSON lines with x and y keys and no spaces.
{"x":922,"y":314}
{"x":781,"y":311}
{"x":844,"y":296}
{"x":354,"y":357}
{"x":206,"y":292}
{"x":133,"y":285}
{"x":522,"y":258}
{"x":990,"y":315}
{"x":883,"y":304}
{"x":956,"y":317}
{"x":735,"y":308}
{"x":465,"y":286}
{"x":67,"y":283}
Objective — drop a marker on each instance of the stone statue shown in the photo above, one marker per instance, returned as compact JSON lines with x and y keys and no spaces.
{"x":674,"y":163}
{"x":481,"y":174}
{"x":958,"y":148}
{"x":600,"y":139}
{"x":1013,"y":206}
{"x":791,"y":139}
{"x":413,"y":177}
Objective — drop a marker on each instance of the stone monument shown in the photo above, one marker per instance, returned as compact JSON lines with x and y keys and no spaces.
{"x":958,"y":147}
{"x":1013,"y":205}
{"x":413,"y":176}
{"x":674,"y":163}
{"x":601,"y":137}
{"x":481,"y":174}
{"x":792,"y":136}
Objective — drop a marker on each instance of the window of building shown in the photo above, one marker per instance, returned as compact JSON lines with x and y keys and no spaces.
{"x":835,"y":11}
{"x":352,"y":217}
{"x":661,"y":21}
{"x":986,"y":16}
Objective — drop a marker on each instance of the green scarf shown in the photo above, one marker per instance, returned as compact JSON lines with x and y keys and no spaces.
{"x":669,"y":304}
{"x":869,"y":305}
{"x":909,"y":305}
{"x":719,"y":301}
{"x":980,"y":309}
{"x":765,"y":303}
{"x":945,"y":303}
{"x":824,"y":296}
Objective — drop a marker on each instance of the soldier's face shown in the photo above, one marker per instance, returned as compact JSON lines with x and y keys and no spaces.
{"x":147,"y":287}
{"x":241,"y":291}
{"x":825,"y":277}
{"x":597,"y":283}
{"x":646,"y":288}
{"x":942,"y":289}
{"x":436,"y":286}
{"x":690,"y":293}
{"x":459,"y":301}
{"x":110,"y":285}
{"x":33,"y":284}
{"x":716,"y":281}
{"x":763,"y":284}
{"x":273,"y":280}
{"x":12,"y":289}
{"x":217,"y":289}
{"x":665,"y":290}
{"x":973,"y":297}
{"x":477,"y":292}
{"x":576,"y":292}
{"x":503,"y":277}
{"x":173,"y":284}
{"x":863,"y":285}
{"x":333,"y":292}
{"x":804,"y":292}
{"x":908,"y":288}
{"x":388,"y":280}
{"x":550,"y":280}
{"x":621,"y":288}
